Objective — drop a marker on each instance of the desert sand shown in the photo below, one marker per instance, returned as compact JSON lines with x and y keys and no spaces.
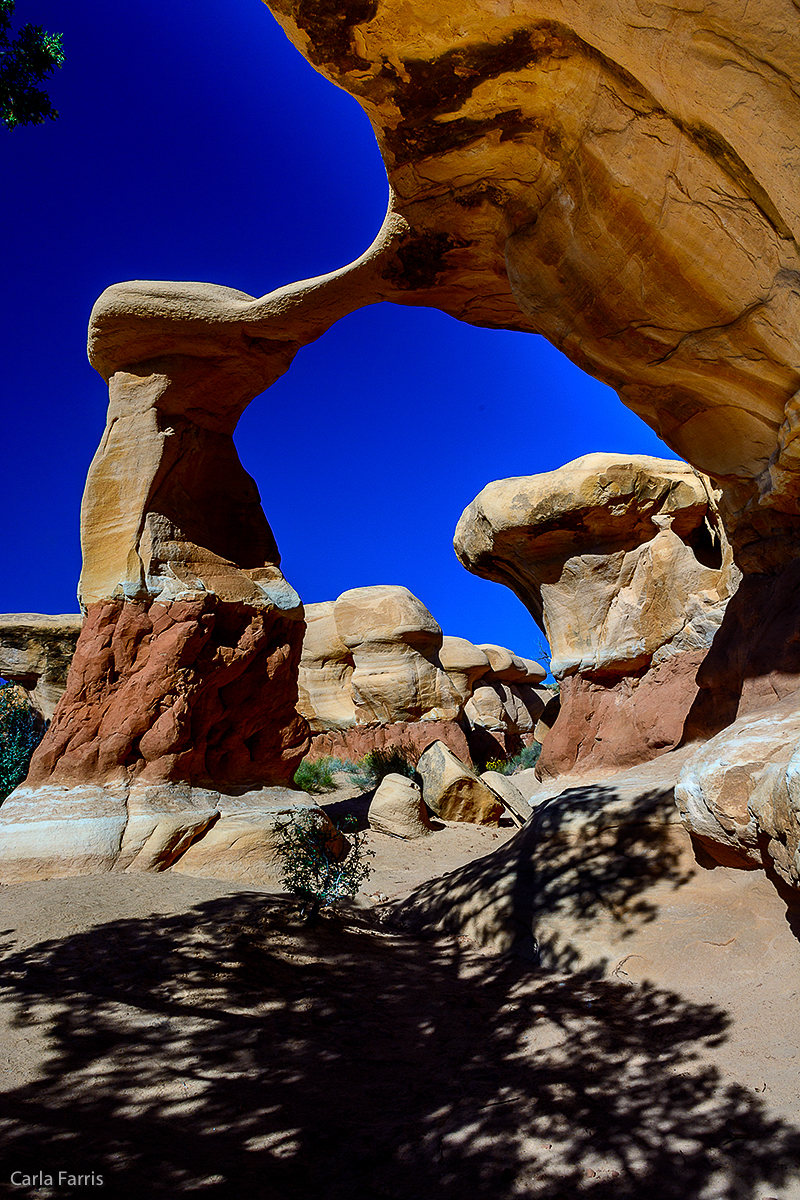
{"x":174,"y":1034}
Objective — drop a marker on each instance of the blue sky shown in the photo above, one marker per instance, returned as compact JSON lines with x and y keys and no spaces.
{"x":195,"y":143}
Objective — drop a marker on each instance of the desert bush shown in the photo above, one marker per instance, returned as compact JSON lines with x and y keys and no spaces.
{"x":316,"y":777}
{"x":374,"y":768}
{"x":21,"y":730}
{"x":527,"y":758}
{"x":309,"y":849}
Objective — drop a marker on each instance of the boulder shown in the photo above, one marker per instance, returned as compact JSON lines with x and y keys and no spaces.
{"x":507,"y":791}
{"x":453,"y":792}
{"x":510,"y":668}
{"x":397,"y":809}
{"x":394,"y":642}
{"x":739,"y":794}
{"x":625,"y":564}
{"x":35,"y":652}
{"x":464,"y":663}
{"x":324,"y":685}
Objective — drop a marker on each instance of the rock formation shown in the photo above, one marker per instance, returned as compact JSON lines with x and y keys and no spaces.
{"x":622,"y":183}
{"x":625,"y":565}
{"x":376,"y":671}
{"x":453,"y":792}
{"x":35,"y":652}
{"x":509,"y":793}
{"x":397,"y":809}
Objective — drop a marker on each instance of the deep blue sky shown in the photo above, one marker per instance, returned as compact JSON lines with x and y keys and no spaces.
{"x":195,"y":143}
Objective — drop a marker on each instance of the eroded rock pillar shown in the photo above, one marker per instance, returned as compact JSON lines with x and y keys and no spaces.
{"x":625,"y":565}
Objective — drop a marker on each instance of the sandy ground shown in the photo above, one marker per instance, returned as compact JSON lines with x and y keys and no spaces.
{"x":172,"y":1035}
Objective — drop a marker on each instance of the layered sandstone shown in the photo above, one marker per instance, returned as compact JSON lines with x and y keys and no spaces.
{"x":620,"y":179}
{"x":36,"y":651}
{"x":376,"y":670}
{"x":625,"y":565}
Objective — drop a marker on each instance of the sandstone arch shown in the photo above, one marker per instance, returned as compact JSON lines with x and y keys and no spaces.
{"x":620,"y":180}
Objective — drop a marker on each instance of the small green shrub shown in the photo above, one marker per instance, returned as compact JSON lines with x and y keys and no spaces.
{"x":374,"y":768}
{"x":527,"y":758}
{"x":312,"y":866}
{"x":316,"y":777}
{"x":21,"y":730}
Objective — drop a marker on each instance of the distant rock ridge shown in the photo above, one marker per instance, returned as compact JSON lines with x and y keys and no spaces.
{"x":376,"y":670}
{"x":36,"y":651}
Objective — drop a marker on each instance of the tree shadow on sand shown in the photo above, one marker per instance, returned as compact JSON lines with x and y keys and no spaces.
{"x":586,"y":856}
{"x":231,"y":1051}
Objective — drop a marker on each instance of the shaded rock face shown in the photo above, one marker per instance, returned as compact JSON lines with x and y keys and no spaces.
{"x":739,"y":795}
{"x":36,"y":651}
{"x":625,"y":564}
{"x":376,"y":670}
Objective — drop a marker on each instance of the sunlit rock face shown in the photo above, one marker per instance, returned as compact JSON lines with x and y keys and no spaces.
{"x":624,"y":563}
{"x":619,"y":178}
{"x":376,"y":671}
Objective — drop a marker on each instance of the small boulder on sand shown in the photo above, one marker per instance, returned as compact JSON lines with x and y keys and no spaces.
{"x":509,"y":793}
{"x":453,"y":791}
{"x":397,"y":808}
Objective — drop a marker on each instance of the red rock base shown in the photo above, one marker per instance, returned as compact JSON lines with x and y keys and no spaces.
{"x":617,"y":722}
{"x":198,"y":691}
{"x":411,"y":736}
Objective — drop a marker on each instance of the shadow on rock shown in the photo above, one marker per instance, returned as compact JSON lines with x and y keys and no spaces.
{"x":231,"y":1051}
{"x":586,"y":856}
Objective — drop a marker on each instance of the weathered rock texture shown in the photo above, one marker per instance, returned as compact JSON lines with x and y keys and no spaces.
{"x":376,"y":670}
{"x":412,"y":737}
{"x":453,"y":792}
{"x":625,"y":179}
{"x":372,"y":657}
{"x":192,"y":691}
{"x":625,"y":565}
{"x":35,"y":652}
{"x":621,"y":181}
{"x":397,"y":809}
{"x":739,"y":795}
{"x":51,"y":830}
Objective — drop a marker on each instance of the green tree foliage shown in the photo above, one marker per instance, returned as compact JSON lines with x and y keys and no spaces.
{"x":317,"y":863}
{"x":21,"y":730}
{"x":26,"y":61}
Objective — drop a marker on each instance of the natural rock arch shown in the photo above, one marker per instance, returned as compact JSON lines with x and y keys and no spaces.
{"x":623,"y":184}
